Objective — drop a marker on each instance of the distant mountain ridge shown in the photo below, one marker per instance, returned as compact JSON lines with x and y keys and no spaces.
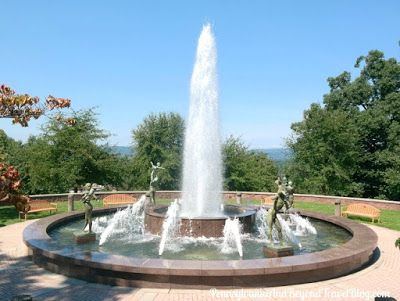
{"x":275,"y":154}
{"x":122,"y":150}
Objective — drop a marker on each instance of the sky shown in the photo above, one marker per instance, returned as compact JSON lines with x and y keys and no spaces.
{"x":132,"y":58}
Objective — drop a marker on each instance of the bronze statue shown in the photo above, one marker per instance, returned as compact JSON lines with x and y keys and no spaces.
{"x":153,"y":180}
{"x":290,"y":194}
{"x":279,"y":204}
{"x":87,"y":197}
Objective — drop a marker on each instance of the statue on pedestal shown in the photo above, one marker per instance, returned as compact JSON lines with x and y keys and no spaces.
{"x":153,"y":180}
{"x":279,"y":204}
{"x":86,"y":198}
{"x":290,"y":194}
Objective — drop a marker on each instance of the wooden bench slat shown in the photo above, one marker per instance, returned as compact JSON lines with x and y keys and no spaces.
{"x":364,"y":210}
{"x":118,"y":199}
{"x":39,"y":205}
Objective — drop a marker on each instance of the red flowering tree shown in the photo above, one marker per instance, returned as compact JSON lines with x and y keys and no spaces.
{"x":21,"y":108}
{"x":10,"y":184}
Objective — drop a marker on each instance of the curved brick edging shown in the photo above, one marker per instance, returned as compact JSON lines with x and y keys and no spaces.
{"x":381,"y":204}
{"x":138,"y":272}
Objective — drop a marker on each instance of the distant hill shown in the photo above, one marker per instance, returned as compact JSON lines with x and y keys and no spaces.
{"x":122,"y":150}
{"x":276,"y":154}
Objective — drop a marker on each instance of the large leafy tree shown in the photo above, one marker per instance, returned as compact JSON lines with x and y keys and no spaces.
{"x":247,"y":170}
{"x":365,"y":112}
{"x":63,"y":157}
{"x":159,"y":138}
{"x":325,"y":152}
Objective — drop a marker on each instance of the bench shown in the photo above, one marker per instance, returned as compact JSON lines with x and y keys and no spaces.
{"x":267,"y":200}
{"x":37,"y":206}
{"x":118,"y":199}
{"x":363,"y":210}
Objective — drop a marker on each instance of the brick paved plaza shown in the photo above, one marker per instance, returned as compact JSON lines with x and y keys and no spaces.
{"x":18,"y":275}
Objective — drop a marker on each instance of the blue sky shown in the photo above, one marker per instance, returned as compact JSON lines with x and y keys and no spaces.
{"x":132,"y":58}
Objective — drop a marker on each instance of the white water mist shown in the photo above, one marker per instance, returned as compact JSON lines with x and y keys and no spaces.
{"x":232,"y":236}
{"x":129,"y":221}
{"x":202,"y":171}
{"x":170,"y":226}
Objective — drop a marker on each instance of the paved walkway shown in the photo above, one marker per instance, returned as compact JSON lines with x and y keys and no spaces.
{"x":18,"y":275}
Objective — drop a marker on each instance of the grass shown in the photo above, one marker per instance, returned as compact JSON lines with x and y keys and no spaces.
{"x":316,"y":207}
{"x":8,"y":214}
{"x":389,"y":218}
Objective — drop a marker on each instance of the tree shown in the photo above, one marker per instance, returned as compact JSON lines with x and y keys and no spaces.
{"x":159,"y":138}
{"x":22,"y":107}
{"x":325,"y":153}
{"x":64,"y":157}
{"x":9,"y":188}
{"x":365,"y":112}
{"x":247,"y":170}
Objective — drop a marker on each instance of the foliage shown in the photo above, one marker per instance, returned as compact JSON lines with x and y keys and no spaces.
{"x":247,"y":170}
{"x":22,"y":107}
{"x":316,"y":143}
{"x":64,"y":157}
{"x":351,"y":144}
{"x":159,"y":138}
{"x":10,"y":184}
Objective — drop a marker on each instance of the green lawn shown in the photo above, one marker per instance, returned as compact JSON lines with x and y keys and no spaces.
{"x":8,"y":214}
{"x":389,"y":218}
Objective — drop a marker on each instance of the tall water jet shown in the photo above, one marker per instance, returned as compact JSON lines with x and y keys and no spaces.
{"x":202,"y":163}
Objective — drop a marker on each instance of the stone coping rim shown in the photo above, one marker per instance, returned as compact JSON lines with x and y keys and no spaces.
{"x":363,"y":242}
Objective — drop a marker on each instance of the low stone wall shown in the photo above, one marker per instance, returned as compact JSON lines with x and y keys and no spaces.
{"x":230,"y":195}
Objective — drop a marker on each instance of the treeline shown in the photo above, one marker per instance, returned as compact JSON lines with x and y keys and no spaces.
{"x":350,"y":144}
{"x":64,"y":157}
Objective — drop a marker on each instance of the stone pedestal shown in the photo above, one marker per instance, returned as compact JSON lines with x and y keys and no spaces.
{"x":276,"y":250}
{"x":71,"y":202}
{"x":82,"y":237}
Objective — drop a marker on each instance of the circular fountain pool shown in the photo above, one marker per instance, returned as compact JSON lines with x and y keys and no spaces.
{"x":339,"y":247}
{"x":139,"y":244}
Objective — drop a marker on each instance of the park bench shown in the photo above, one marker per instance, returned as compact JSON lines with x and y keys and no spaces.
{"x":118,"y":199}
{"x":37,"y":206}
{"x":363,"y":210}
{"x":267,"y":200}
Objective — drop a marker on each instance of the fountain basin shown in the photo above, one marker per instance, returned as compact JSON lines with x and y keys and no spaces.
{"x":97,"y":266}
{"x":200,"y":226}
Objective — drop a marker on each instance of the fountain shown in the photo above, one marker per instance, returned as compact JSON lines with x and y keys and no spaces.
{"x":198,"y":242}
{"x":202,"y":159}
{"x":200,"y":211}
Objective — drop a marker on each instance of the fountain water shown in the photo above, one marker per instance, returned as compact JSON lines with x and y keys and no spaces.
{"x":293,"y":225}
{"x":287,"y":231}
{"x":202,"y":161}
{"x":170,"y":225}
{"x":200,"y":213}
{"x":232,"y":236}
{"x":126,"y":222}
{"x":302,"y":225}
